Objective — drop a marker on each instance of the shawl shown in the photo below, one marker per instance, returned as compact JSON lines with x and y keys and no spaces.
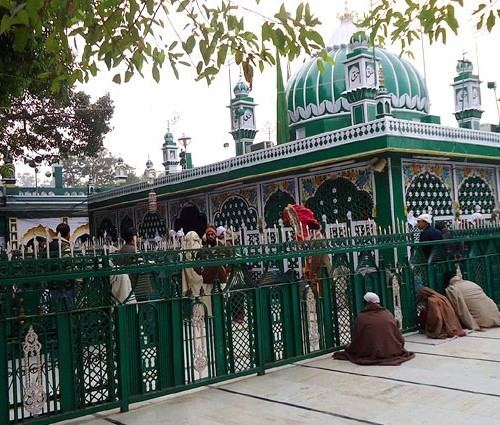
{"x":441,"y":321}
{"x":376,"y":339}
{"x":473,"y":307}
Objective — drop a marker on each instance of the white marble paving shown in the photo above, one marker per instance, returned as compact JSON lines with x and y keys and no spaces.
{"x":378,"y":394}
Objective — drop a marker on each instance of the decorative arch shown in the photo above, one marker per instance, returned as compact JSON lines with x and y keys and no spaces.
{"x":107,"y":226}
{"x":82,"y":232}
{"x":428,"y":190}
{"x":275,"y":206}
{"x":152,"y":225}
{"x":336,"y":197}
{"x":234,"y":212}
{"x":191,"y":218}
{"x":125,"y":223}
{"x":36,"y":232}
{"x":474,"y":190}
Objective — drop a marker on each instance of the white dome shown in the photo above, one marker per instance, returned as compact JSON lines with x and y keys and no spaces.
{"x":344,"y":31}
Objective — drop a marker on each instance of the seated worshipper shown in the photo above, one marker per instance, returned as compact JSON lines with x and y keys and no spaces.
{"x":376,"y":338}
{"x":473,"y":307}
{"x":439,"y":318}
{"x":428,"y":233}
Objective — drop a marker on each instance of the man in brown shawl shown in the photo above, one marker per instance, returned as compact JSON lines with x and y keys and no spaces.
{"x":440,"y":320}
{"x":473,"y":307}
{"x":376,"y":339}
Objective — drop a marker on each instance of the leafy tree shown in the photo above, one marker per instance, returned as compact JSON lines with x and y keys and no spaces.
{"x":405,"y":22}
{"x":41,"y":125}
{"x":79,"y":35}
{"x":78,"y":170}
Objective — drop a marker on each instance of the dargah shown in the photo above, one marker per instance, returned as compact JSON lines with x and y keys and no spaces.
{"x":277,"y":255}
{"x":363,"y":150}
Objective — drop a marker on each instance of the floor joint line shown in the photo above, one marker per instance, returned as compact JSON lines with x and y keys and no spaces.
{"x":463,"y":390}
{"x":298,"y":406}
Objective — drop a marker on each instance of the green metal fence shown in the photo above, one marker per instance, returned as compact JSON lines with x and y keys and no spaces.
{"x":67,"y":348}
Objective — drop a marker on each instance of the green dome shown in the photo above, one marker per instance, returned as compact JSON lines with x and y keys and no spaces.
{"x":314,"y":96}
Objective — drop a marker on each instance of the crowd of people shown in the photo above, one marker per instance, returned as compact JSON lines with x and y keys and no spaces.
{"x":376,"y":336}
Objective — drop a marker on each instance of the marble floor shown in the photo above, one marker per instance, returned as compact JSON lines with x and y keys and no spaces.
{"x":457,"y":382}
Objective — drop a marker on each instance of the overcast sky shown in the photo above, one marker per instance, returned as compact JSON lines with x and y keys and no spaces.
{"x":142,"y":107}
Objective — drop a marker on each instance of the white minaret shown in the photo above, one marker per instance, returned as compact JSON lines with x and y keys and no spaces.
{"x":170,"y":157}
{"x":467,"y":90}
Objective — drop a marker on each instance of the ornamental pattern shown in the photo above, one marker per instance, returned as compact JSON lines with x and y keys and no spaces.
{"x":335,"y":198}
{"x":236,"y":212}
{"x":360,"y":177}
{"x":475,"y":191}
{"x":275,"y":206}
{"x":486,"y":174}
{"x":413,"y":170}
{"x":249,"y":194}
{"x":428,"y":190}
{"x":268,"y":189}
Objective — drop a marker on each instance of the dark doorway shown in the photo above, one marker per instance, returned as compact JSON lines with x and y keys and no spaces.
{"x":191,"y":218}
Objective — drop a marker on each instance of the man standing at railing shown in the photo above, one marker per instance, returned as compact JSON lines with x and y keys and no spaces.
{"x":428,"y":232}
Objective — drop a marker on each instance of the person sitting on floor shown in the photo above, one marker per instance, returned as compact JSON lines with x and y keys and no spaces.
{"x":439,"y":319}
{"x":376,"y":338}
{"x":473,"y":307}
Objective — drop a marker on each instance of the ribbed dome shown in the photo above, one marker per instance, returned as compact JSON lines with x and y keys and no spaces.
{"x":313,"y":95}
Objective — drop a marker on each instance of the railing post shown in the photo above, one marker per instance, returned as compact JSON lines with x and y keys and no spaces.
{"x":66,"y":369}
{"x":327,"y":308}
{"x":296,"y":318}
{"x":176,"y":323}
{"x":4,"y":377}
{"x":123,"y":357}
{"x":219,"y":330}
{"x":259,"y":324}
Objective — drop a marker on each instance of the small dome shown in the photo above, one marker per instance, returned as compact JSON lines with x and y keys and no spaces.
{"x":169,"y":139}
{"x":241,"y":88}
{"x":119,"y":161}
{"x":149,"y":163}
{"x":464,"y":65}
{"x":359,"y":38}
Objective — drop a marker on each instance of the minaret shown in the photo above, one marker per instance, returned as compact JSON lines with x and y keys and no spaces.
{"x":170,"y":158}
{"x":242,"y":109}
{"x":120,"y":171}
{"x":467,"y":91}
{"x":384,"y":107}
{"x":361,"y":79}
{"x":9,"y":171}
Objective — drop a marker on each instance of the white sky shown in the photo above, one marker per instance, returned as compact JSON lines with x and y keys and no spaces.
{"x":142,"y":107}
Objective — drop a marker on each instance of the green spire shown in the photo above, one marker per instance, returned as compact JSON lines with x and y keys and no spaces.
{"x":283,"y":135}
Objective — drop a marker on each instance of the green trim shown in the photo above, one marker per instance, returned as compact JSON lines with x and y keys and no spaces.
{"x":294,"y":165}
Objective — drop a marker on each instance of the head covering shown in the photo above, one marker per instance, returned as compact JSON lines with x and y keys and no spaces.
{"x":210,"y":228}
{"x":425,"y":217}
{"x":371,"y":297}
{"x":220,"y":231}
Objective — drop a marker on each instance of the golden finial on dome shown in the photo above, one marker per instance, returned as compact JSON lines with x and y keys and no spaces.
{"x":347,"y":15}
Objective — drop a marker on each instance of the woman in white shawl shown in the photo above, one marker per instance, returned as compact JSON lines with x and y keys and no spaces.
{"x":192,"y":281}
